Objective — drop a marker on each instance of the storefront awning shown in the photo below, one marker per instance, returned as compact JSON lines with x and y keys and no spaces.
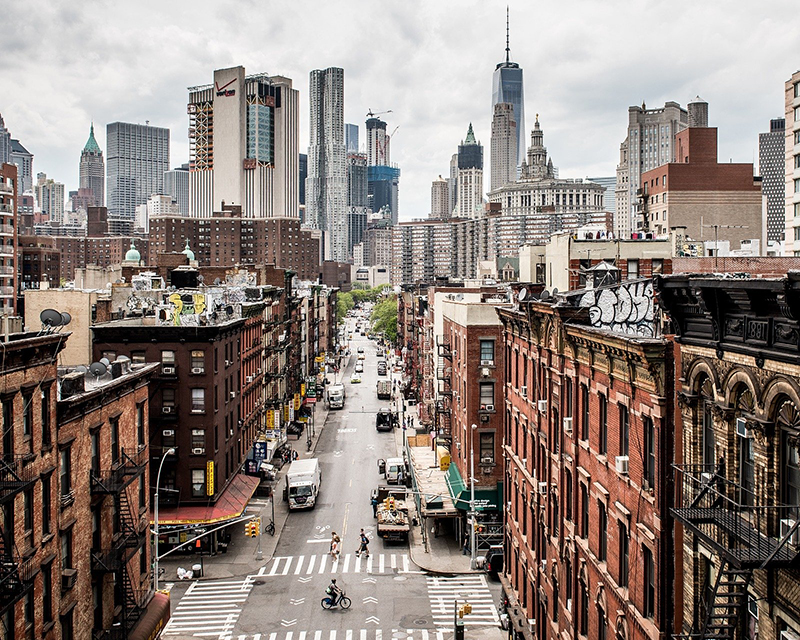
{"x":229,"y":505}
{"x":486,"y":499}
{"x":155,"y":618}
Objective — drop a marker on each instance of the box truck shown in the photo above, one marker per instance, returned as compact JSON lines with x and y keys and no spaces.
{"x":302,"y":484}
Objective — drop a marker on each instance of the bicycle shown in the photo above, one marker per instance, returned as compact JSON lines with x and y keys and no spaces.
{"x":343,"y":601}
{"x":270,"y":528}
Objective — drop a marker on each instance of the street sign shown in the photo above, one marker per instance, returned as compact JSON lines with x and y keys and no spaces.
{"x":259,"y":451}
{"x":297,"y":401}
{"x":210,"y":478}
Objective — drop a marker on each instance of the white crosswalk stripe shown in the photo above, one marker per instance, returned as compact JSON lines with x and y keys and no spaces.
{"x":445,"y":590}
{"x":209,"y":609}
{"x":347,"y":563}
{"x":349,"y":634}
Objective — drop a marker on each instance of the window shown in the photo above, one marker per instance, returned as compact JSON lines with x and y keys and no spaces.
{"x":585,"y":415}
{"x":46,"y":436}
{"x":27,"y":505}
{"x":137,"y":357}
{"x":791,"y":476}
{"x":487,"y":394}
{"x":746,"y":470}
{"x":8,"y":427}
{"x":487,"y":351}
{"x":602,"y":533}
{"x":584,"y":511}
{"x":198,"y":483}
{"x":28,"y":608}
{"x":198,"y":360}
{"x":797,"y":233}
{"x":584,"y":618}
{"x":796,"y":207}
{"x":168,"y":398}
{"x":65,"y":472}
{"x":623,"y":554}
{"x":199,"y":439}
{"x":567,"y":397}
{"x":47,"y":592}
{"x":658,"y":265}
{"x":797,"y":114}
{"x":709,"y":442}
{"x":633,"y":269}
{"x":66,"y":549}
{"x":109,"y":355}
{"x":568,"y":583}
{"x":568,"y":495}
{"x":114,"y":424}
{"x":67,"y":631}
{"x":27,"y":415}
{"x":601,"y":623}
{"x":198,"y":400}
{"x":649,"y":604}
{"x":796,"y":185}
{"x":46,"y":502}
{"x":649,"y":453}
{"x":487,"y":448}
{"x":624,"y":430}
{"x":168,"y":357}
{"x":797,"y":137}
{"x":140,"y":425}
{"x":797,"y":89}
{"x":603,"y":404}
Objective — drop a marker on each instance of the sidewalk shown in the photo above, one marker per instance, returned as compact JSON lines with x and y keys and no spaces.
{"x":241,"y":558}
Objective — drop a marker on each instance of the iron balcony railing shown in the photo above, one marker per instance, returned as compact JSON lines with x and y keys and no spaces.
{"x":128,"y":467}
{"x":15,"y":475}
{"x":749,"y":529}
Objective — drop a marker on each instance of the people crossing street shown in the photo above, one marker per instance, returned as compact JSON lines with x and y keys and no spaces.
{"x":364,"y":545}
{"x":335,"y":541}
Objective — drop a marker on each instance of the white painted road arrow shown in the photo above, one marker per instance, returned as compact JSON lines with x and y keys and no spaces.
{"x":372,"y":619}
{"x":304,"y":580}
{"x":294,"y":602}
{"x":288,"y":623}
{"x":370,"y":580}
{"x":369,"y":599}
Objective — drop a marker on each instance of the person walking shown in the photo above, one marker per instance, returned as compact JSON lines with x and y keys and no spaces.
{"x":364,"y":546}
{"x":374,"y":502}
{"x":335,"y":542}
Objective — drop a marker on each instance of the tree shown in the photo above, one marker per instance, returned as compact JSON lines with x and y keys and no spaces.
{"x":384,"y":318}
{"x":344,"y":302}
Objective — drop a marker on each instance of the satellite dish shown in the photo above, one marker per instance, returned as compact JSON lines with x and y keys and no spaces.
{"x":200,"y":278}
{"x":523,"y":293}
{"x":66,"y":318}
{"x":217,"y":281}
{"x":545,"y":295}
{"x":81,"y":369}
{"x":98,"y":369}
{"x":555,"y":291}
{"x":105,"y":362}
{"x":51,"y":318}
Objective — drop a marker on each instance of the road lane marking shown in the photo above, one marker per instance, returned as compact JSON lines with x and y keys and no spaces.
{"x":316,"y":541}
{"x":299,"y":567}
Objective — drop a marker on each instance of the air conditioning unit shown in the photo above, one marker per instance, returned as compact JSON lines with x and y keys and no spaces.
{"x":541,"y":405}
{"x":198,"y":370}
{"x":198,"y":451}
{"x":706,"y":477}
{"x":249,"y":378}
{"x":68,"y":578}
{"x":487,"y":363}
{"x":544,"y":566}
{"x":741,"y":428}
{"x":167,"y":409}
{"x":168,"y":370}
{"x":258,"y":371}
{"x":487,"y":460}
{"x":542,"y":488}
{"x":786,"y":524}
{"x":168,"y":433}
{"x":489,"y":407}
{"x":568,"y":425}
{"x":227,"y":363}
{"x":523,"y":391}
{"x":622,"y":464}
{"x":485,"y":372}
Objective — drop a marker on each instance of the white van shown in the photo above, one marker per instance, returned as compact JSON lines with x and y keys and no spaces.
{"x":392,"y":469}
{"x":302,"y":483}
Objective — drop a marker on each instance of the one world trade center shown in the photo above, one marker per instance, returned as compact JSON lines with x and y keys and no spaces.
{"x":507,"y":87}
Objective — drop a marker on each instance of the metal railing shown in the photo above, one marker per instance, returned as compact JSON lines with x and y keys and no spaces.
{"x":115,"y":479}
{"x":14,"y":474}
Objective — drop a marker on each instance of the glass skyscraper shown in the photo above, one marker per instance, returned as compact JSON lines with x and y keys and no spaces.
{"x":507,"y":87}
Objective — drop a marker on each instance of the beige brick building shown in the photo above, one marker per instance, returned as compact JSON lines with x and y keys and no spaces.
{"x":792,"y":102}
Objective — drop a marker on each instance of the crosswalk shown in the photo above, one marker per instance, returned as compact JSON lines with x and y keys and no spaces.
{"x":443,"y":591}
{"x":209,"y":609}
{"x":347,"y":634}
{"x":347,"y":563}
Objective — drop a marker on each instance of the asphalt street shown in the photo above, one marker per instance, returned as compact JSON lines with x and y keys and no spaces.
{"x":391,"y":597}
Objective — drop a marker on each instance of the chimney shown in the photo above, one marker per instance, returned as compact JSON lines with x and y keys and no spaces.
{"x":72,"y":384}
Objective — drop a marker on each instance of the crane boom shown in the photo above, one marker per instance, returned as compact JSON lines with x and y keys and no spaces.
{"x":371,"y":114}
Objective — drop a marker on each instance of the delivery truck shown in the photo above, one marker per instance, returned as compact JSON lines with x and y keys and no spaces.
{"x":391,"y":513}
{"x":302,"y":484}
{"x":384,"y":389}
{"x":335,"y":396}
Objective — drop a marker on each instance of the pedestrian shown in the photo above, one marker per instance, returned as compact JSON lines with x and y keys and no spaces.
{"x":364,"y":546}
{"x":335,"y":541}
{"x":294,"y":454}
{"x":374,"y":503}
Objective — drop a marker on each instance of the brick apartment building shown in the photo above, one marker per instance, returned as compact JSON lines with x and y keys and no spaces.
{"x":40,"y":261}
{"x":68,"y":466}
{"x":737,"y":476}
{"x":588,"y":437}
{"x":227,"y":239}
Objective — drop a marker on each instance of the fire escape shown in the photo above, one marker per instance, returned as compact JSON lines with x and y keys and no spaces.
{"x":444,"y":372}
{"x":130,"y":535}
{"x":746,"y":530}
{"x":16,"y":574}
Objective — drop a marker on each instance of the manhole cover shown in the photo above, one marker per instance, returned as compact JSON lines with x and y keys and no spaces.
{"x":421,"y":621}
{"x":258,"y":583}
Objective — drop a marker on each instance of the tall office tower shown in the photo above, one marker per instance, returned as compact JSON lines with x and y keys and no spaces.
{"x":610,"y":196}
{"x":303,"y":173}
{"x":507,"y":87}
{"x":504,"y":146}
{"x":452,"y":184}
{"x":771,"y":161}
{"x":138,"y":156}
{"x":176,"y":185}
{"x":92,"y":173}
{"x":377,"y":142}
{"x":23,"y":158}
{"x":50,"y":198}
{"x":326,"y":185}
{"x":649,"y":144}
{"x":792,"y":166}
{"x":351,"y":138}
{"x":469,"y":201}
{"x":243,"y":133}
{"x":440,"y":200}
{"x":5,"y":143}
{"x":356,"y":199}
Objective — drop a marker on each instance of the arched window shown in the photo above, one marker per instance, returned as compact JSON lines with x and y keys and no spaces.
{"x":708,"y":443}
{"x":787,"y":418}
{"x":745,"y":406}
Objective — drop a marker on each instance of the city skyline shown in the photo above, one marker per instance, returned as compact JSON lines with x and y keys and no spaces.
{"x":581,"y":83}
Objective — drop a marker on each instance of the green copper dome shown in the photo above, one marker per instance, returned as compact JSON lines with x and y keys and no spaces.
{"x":91,"y":144}
{"x":133,"y":254}
{"x":470,"y":136}
{"x":187,"y":251}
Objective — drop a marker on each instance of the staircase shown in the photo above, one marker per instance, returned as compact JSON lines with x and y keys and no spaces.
{"x":729,"y":600}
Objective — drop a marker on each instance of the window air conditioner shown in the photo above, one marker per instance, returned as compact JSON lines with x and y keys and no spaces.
{"x":543,"y":488}
{"x":168,"y":433}
{"x":198,"y":370}
{"x":198,"y":451}
{"x":706,"y":477}
{"x":541,"y":405}
{"x":167,"y":409}
{"x":227,"y":363}
{"x":249,"y":378}
{"x":168,"y":370}
{"x":487,"y":460}
{"x":489,"y":407}
{"x":487,"y":363}
{"x":523,"y":391}
{"x":568,"y":425}
{"x":485,"y":372}
{"x":622,"y":464}
{"x":786,"y":524}
{"x":741,"y":428}
{"x":233,"y":394}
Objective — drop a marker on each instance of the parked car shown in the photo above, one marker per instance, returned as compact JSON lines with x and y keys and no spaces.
{"x":359,"y":367}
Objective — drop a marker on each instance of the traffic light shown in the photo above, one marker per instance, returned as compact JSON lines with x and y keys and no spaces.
{"x":257,"y":526}
{"x":248,"y":531}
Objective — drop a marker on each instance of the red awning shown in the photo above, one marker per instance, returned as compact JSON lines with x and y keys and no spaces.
{"x":229,"y":505}
{"x":155,"y":618}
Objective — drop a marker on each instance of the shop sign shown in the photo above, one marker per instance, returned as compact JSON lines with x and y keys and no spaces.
{"x":210,"y":478}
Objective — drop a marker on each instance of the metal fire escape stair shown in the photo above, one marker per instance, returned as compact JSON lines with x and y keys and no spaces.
{"x":728,"y":602}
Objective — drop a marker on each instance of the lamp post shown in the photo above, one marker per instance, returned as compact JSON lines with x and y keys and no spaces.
{"x":169,"y":452}
{"x":472,"y":497}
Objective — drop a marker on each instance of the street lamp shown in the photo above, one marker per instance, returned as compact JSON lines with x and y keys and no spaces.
{"x":472,"y":497}
{"x":168,"y":452}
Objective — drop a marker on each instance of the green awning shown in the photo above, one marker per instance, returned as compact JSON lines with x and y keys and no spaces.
{"x":486,"y":499}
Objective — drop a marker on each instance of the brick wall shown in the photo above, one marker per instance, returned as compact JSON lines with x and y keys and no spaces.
{"x":756,"y":266}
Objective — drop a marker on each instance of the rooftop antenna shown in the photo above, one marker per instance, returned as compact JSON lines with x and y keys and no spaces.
{"x":508,"y":48}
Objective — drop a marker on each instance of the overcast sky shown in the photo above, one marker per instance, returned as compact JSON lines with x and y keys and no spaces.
{"x":64,"y":64}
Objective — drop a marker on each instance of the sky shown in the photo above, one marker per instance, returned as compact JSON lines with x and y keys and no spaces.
{"x":64,"y":64}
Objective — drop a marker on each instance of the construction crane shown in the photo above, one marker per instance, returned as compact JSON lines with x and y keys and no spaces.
{"x":370,"y":114}
{"x":386,"y":141}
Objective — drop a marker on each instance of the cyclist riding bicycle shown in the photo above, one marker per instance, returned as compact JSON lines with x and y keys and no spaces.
{"x":334,"y":592}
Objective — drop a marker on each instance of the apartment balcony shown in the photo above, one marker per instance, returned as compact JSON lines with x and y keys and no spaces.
{"x":6,"y":208}
{"x":748,"y":530}
{"x":15,"y":476}
{"x":6,"y":291}
{"x":7,"y":229}
{"x":6,"y":188}
{"x":6,"y":250}
{"x":114,"y":480}
{"x":6,"y":271}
